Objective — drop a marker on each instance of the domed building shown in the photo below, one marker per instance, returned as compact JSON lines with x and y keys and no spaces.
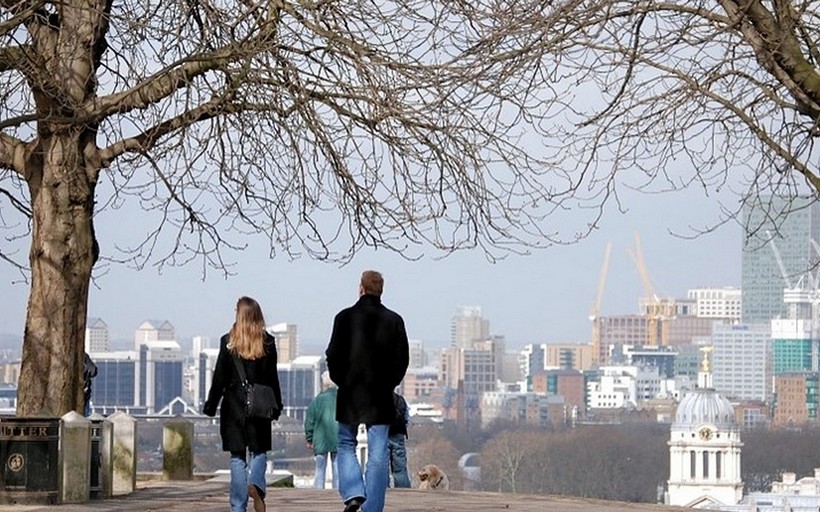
{"x":704,"y":448}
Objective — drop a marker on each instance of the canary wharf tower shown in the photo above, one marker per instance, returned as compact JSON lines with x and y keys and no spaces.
{"x":776,"y":228}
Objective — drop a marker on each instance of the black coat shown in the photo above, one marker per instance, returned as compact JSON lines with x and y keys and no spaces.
{"x":367,"y":357}
{"x":237,"y":431}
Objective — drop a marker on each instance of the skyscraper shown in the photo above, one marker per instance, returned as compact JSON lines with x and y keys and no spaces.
{"x":96,"y":335}
{"x":418,"y":358}
{"x":469,"y":327}
{"x":286,"y":341}
{"x":153,"y":330}
{"x":776,"y":228}
{"x":740,"y":360}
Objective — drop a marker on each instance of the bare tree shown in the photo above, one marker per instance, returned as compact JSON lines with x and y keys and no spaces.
{"x":328,"y":126}
{"x":706,"y":93}
{"x":504,"y":460}
{"x":322,"y":126}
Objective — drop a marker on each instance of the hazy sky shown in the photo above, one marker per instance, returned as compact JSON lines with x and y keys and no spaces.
{"x":540,"y":298}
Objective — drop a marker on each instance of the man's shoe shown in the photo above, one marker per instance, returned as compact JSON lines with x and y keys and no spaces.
{"x":258,"y":498}
{"x":353,"y":505}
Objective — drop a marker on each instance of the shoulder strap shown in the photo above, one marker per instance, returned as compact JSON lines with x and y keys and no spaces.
{"x":240,"y":368}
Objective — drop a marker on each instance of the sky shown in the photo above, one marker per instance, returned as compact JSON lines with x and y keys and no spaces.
{"x":544,"y":297}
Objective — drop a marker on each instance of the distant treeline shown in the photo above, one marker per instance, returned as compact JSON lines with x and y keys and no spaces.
{"x":627,"y":462}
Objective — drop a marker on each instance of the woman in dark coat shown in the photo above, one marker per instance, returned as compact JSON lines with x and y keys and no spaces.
{"x":256,"y":350}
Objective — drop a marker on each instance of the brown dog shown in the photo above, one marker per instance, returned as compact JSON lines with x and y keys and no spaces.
{"x":432,"y":478}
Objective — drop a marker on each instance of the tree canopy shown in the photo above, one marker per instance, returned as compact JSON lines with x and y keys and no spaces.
{"x":327,"y":126}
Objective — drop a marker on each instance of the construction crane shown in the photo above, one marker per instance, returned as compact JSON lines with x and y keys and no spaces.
{"x":596,"y":306}
{"x":779,"y":261}
{"x":656,"y":309}
{"x":800,"y":298}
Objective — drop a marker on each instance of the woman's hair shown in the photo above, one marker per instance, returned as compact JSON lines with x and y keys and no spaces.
{"x":247,"y":338}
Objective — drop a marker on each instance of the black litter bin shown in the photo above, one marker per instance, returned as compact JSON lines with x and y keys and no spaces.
{"x":95,"y":485}
{"x":29,"y":453}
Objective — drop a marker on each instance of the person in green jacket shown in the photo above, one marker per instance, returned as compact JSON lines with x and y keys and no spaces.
{"x":322,"y":432}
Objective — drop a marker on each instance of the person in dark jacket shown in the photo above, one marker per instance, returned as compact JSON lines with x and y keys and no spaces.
{"x":322,"y":433}
{"x":256,"y":351}
{"x":89,"y":372}
{"x":367,"y":358}
{"x":395,"y":443}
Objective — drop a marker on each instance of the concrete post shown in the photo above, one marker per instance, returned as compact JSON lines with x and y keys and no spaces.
{"x":123,"y":453}
{"x":75,"y":458}
{"x":178,"y":449}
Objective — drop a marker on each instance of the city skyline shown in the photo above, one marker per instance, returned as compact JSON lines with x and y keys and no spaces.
{"x":542,"y":297}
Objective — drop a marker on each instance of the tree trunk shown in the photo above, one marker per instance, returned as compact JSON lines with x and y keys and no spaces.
{"x":63,"y":251}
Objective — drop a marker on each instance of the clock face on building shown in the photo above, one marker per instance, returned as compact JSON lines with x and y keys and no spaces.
{"x":705,"y":433}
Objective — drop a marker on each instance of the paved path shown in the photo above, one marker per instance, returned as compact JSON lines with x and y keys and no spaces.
{"x":212,"y":496}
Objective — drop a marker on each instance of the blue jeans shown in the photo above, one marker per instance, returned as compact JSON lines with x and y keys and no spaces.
{"x":239,"y":477}
{"x":372,"y":486}
{"x":321,"y":467}
{"x":398,"y":461}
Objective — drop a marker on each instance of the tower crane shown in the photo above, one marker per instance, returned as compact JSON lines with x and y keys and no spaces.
{"x":656,"y":309}
{"x":596,"y":306}
{"x":779,"y":260}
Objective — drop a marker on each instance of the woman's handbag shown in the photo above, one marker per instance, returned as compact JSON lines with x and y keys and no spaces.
{"x":260,"y":400}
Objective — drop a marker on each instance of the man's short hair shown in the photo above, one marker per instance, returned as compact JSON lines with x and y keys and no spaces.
{"x":372,"y":283}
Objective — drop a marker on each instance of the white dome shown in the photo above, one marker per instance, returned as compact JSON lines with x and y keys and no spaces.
{"x":705,"y":406}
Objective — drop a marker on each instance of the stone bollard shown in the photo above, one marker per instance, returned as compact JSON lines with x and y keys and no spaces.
{"x":101,"y":453}
{"x":178,"y":449}
{"x":123,"y":453}
{"x":75,"y":458}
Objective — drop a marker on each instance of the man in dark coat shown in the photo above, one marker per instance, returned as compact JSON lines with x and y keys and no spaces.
{"x":367,"y":358}
{"x":89,"y":372}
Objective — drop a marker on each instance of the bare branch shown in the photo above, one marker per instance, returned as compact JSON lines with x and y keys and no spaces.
{"x":16,"y":203}
{"x":12,"y":154}
{"x":172,"y":78}
{"x":145,"y":141}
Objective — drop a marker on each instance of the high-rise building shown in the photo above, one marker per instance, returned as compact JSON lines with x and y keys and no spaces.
{"x":418,"y":358}
{"x":568,"y":356}
{"x":153,"y":330}
{"x":115,"y":386}
{"x":300,"y":381}
{"x":741,"y":360}
{"x":205,"y":363}
{"x":468,"y":327}
{"x":470,"y":373}
{"x":570,"y":384}
{"x":796,"y":399}
{"x":96,"y":335}
{"x":794,"y":349}
{"x":617,"y":330}
{"x":532,"y":361}
{"x":198,"y":344}
{"x":776,"y":229}
{"x":419,"y":384}
{"x":723,"y":303}
{"x":286,"y":341}
{"x":140,"y":381}
{"x":161,"y":374}
{"x":682,"y":330}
